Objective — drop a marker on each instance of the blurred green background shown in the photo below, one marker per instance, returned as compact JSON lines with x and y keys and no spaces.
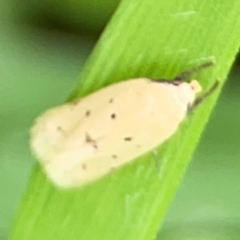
{"x":43,"y":46}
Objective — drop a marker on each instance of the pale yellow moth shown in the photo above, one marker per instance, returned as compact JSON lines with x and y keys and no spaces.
{"x":83,"y":140}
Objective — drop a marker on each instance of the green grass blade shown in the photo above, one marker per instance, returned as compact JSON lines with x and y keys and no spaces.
{"x":156,"y":39}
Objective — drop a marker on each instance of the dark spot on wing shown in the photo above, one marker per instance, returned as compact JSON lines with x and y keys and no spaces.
{"x":89,"y":140}
{"x":113,"y":115}
{"x":127,"y":139}
{"x":84,"y":166}
{"x":111,"y":100}
{"x":114,"y":156}
{"x":59,"y":129}
{"x":87,"y":113}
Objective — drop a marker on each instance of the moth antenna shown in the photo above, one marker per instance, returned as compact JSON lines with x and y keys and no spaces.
{"x":200,"y":99}
{"x":182,"y":76}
